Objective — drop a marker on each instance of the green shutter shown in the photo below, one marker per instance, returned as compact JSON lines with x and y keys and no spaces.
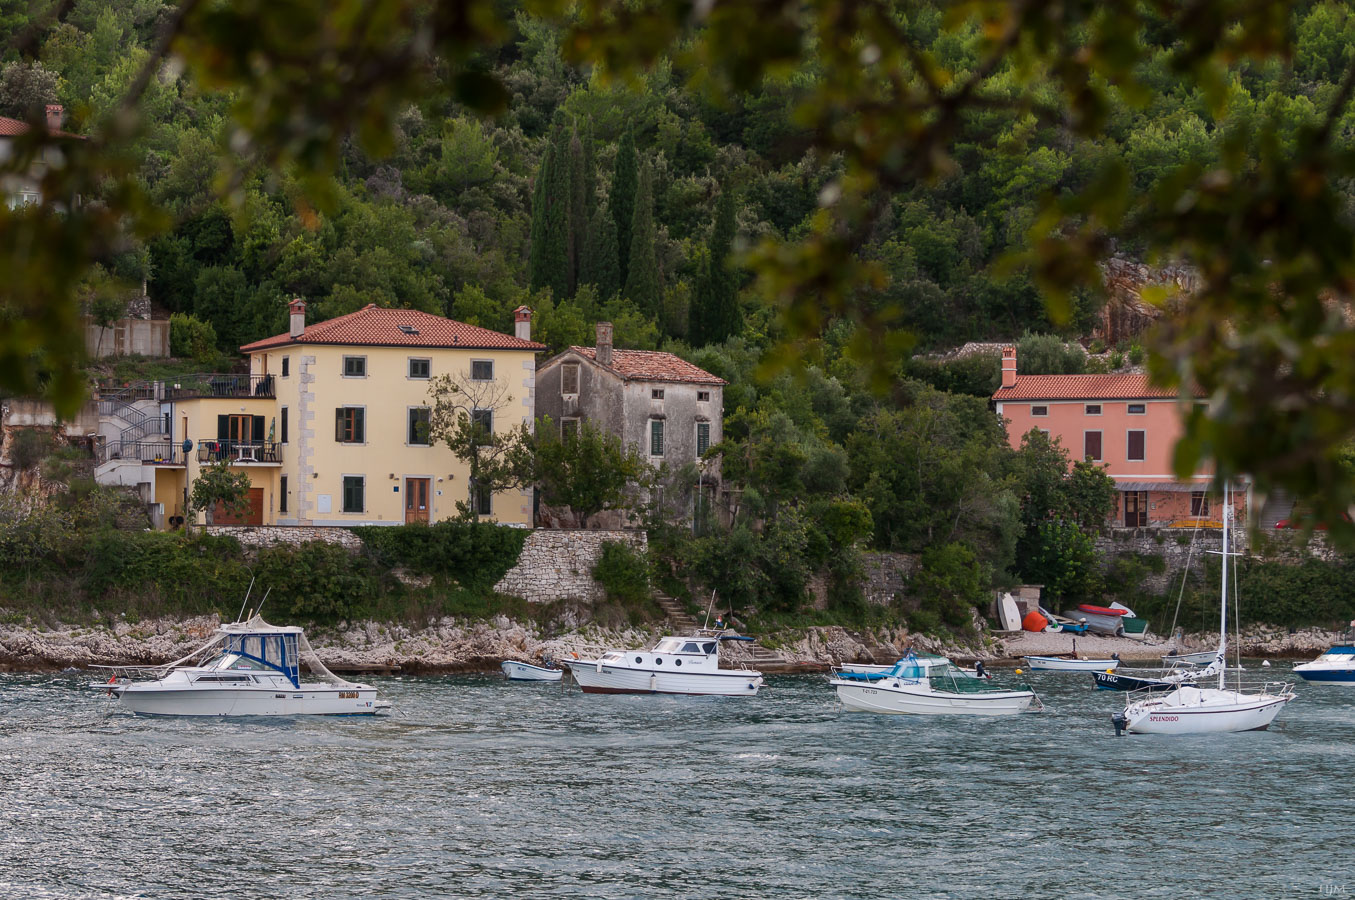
{"x":223,"y":428}
{"x":257,"y":429}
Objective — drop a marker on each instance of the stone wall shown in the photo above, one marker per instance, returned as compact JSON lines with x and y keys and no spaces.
{"x":267,"y":536}
{"x":886,"y":574}
{"x":558,"y":565}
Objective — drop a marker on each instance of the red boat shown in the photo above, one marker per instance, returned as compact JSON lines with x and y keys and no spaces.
{"x":1101,"y":610}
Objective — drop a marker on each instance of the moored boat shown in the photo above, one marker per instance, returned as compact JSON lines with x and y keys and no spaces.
{"x":925,"y":660}
{"x":1101,"y":619}
{"x":1335,"y":666}
{"x":1069,"y":664}
{"x":247,"y":669}
{"x":1200,"y":658}
{"x":909,"y":688}
{"x":521,"y":671}
{"x":675,"y":665}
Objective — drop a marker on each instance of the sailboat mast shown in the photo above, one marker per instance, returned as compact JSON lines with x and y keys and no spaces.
{"x":1223,"y":605}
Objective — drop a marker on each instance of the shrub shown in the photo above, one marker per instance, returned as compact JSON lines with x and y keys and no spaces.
{"x":474,"y":554}
{"x":623,"y":573}
{"x":318,"y":581}
{"x":189,"y":336}
{"x":948,"y":582}
{"x":29,"y":447}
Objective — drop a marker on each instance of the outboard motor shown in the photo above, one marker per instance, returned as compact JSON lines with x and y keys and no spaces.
{"x":1120,"y":721}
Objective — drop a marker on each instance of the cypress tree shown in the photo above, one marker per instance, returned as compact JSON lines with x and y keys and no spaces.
{"x":578,"y":210}
{"x":715,"y":314}
{"x":536,"y":253}
{"x":601,"y":266}
{"x":622,"y":199}
{"x":556,"y":258}
{"x":644,"y":282}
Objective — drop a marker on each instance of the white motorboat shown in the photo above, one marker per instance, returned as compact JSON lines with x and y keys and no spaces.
{"x":1195,"y":709}
{"x":1070,"y":664}
{"x":1202,"y":658}
{"x":909,"y":688}
{"x":675,"y":665}
{"x":1336,"y":666}
{"x":247,"y":669}
{"x":521,"y":671}
{"x":925,"y":660}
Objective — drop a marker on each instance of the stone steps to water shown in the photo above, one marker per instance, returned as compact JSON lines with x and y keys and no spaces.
{"x":676,"y":613}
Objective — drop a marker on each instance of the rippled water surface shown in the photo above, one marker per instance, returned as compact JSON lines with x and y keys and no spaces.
{"x":484,"y":788}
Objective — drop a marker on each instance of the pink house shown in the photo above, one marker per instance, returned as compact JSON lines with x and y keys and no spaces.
{"x":1120,"y":421}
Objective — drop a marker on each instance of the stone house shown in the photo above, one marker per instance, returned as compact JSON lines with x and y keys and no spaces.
{"x":671,"y":410}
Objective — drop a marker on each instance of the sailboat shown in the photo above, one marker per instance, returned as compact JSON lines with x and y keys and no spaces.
{"x":1195,"y":709}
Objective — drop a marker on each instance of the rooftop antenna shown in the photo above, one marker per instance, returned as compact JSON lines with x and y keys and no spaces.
{"x":246,"y":600}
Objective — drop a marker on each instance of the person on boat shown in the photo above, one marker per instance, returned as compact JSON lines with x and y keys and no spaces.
{"x":980,"y":671}
{"x":719,"y":622}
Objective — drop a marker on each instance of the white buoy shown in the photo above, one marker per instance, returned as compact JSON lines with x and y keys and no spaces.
{"x":1265,"y":664}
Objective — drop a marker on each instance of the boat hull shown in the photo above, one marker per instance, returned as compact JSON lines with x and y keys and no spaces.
{"x":1327,"y":676}
{"x":920,"y":700}
{"x":1199,"y":658}
{"x":517,"y":671}
{"x":310,"y":700}
{"x":1241,"y":714}
{"x":1110,"y":681}
{"x":1059,"y":664}
{"x":606,"y":679}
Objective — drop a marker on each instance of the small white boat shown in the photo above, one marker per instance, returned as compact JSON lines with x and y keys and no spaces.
{"x":1336,"y":666}
{"x":909,"y":688}
{"x":247,"y":669}
{"x":1195,"y":709}
{"x":521,"y":671}
{"x":675,"y":665}
{"x":925,"y":660}
{"x":1201,"y":658}
{"x":1070,"y":664}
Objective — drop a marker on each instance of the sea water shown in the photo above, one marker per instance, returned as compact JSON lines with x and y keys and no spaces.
{"x":482,"y":788}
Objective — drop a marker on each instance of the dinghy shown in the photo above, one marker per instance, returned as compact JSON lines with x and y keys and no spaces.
{"x":521,"y":671}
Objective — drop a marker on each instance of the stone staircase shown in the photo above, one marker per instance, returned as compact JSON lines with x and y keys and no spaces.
{"x":676,"y":613}
{"x":1279,"y":505}
{"x":755,"y":655}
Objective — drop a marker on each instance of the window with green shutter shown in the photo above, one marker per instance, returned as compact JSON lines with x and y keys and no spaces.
{"x":352,"y":493}
{"x":702,"y":437}
{"x":350,"y":424}
{"x":656,"y":437}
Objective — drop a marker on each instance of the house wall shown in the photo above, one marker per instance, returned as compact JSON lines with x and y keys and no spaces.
{"x":316,"y":464}
{"x":1069,"y":422}
{"x":145,"y":337}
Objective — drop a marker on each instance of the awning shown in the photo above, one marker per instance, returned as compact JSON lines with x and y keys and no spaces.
{"x":1178,"y":487}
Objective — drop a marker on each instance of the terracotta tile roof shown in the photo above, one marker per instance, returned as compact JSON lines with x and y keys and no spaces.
{"x":374,"y":326}
{"x":1084,"y":387}
{"x":12,"y":127}
{"x":652,"y":365}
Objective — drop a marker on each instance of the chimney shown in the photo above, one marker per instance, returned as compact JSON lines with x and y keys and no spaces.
{"x":298,"y":308}
{"x":604,"y":352}
{"x":522,"y":323}
{"x":1009,"y":367}
{"x":56,"y":113}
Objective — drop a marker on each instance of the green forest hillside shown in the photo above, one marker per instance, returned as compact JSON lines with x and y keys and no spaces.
{"x":636,"y":200}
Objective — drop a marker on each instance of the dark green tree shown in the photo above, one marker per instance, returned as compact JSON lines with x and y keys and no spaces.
{"x":601,"y":266}
{"x":715,"y":314}
{"x":579,"y":188}
{"x":536,"y":252}
{"x":644,"y":281}
{"x":587,"y":470}
{"x":549,"y":259}
{"x":625,"y":183}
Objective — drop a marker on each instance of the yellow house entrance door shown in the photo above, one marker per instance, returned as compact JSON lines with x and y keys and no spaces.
{"x":416,"y":500}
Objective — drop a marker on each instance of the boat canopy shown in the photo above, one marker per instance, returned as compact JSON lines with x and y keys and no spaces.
{"x":283,"y":648}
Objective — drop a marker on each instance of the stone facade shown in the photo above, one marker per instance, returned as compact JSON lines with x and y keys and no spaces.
{"x":558,"y":565}
{"x":267,"y":536}
{"x":886,"y":574}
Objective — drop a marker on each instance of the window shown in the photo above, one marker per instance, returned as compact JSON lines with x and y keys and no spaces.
{"x":418,"y":426}
{"x":350,"y":424}
{"x":1135,"y":449}
{"x":569,"y":378}
{"x":286,"y":366}
{"x":483,"y":501}
{"x":1093,"y":409}
{"x":355,"y":367}
{"x":1091,"y":445}
{"x":1137,"y":409}
{"x":352,"y":493}
{"x":483,"y":419}
{"x":569,"y":428}
{"x":702,"y":437}
{"x":1039,"y":410}
{"x":656,"y":437}
{"x":703,"y":396}
{"x":656,"y":394}
{"x":284,"y":424}
{"x":482,"y":370}
{"x":282,"y":494}
{"x":420,"y":368}
{"x":1199,"y":503}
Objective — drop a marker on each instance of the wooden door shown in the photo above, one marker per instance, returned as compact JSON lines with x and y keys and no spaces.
{"x":416,"y":500}
{"x":251,"y":516}
{"x":1135,"y":509}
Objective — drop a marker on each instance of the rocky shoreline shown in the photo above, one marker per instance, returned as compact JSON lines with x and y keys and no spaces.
{"x":456,"y":645}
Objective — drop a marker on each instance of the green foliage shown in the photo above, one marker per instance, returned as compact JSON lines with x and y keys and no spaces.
{"x":473,"y":554}
{"x":977,"y":374}
{"x":588,"y":470}
{"x":317,"y":581}
{"x":189,"y":336}
{"x":217,"y":485}
{"x":1045,"y":354}
{"x":621,"y":199}
{"x":716,"y":315}
{"x":25,"y":90}
{"x":601,"y":265}
{"x":1060,"y":556}
{"x":949,"y":582}
{"x":623,"y":573}
{"x":28,"y":447}
{"x":644,"y":280}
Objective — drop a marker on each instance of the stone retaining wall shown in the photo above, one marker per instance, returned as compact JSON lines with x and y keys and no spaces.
{"x":267,"y":536}
{"x":558,"y":565}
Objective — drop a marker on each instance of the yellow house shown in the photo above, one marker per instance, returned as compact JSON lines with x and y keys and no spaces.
{"x":330,"y":424}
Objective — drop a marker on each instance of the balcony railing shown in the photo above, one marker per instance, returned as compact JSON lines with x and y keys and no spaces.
{"x":217,"y":385}
{"x":212,"y":450}
{"x":165,"y":453}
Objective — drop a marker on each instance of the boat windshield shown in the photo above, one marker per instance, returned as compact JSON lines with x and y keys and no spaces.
{"x":1339,"y":654}
{"x":668,"y":645}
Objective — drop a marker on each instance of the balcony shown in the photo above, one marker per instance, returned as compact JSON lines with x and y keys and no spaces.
{"x":151,"y":453}
{"x":236,"y":453}
{"x":217,"y":385}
